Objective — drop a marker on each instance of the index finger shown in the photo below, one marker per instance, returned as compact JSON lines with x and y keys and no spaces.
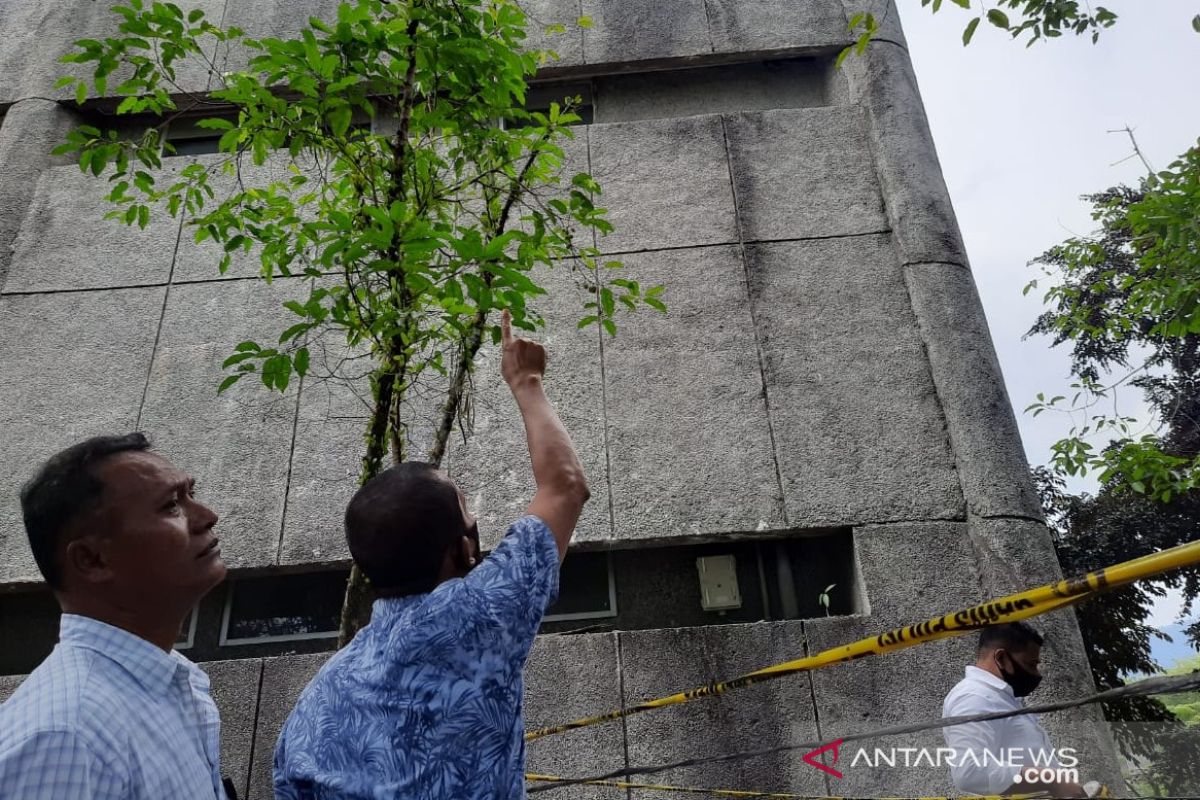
{"x":505,"y":327}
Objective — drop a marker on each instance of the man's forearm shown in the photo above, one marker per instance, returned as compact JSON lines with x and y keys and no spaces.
{"x":556,"y":466}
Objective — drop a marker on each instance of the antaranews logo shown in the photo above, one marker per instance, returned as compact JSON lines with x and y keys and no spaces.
{"x":1057,"y":765}
{"x":810,"y":757}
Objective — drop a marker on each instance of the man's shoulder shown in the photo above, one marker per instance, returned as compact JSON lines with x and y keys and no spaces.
{"x":970,"y":695}
{"x":69,"y":693}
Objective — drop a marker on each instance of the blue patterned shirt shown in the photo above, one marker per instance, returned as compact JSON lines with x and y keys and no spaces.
{"x":109,"y":715}
{"x":425,"y":702}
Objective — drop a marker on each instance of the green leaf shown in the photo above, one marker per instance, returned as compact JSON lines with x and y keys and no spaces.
{"x":1196,"y":23}
{"x":301,"y":361}
{"x":230,"y":380}
{"x":80,"y":92}
{"x":969,"y":32}
{"x":339,"y":120}
{"x":998,"y":18}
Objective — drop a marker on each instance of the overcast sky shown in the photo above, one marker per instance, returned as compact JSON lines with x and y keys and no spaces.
{"x":1021,"y":133}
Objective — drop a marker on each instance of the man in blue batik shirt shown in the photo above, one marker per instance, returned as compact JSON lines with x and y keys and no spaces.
{"x":425,"y":702}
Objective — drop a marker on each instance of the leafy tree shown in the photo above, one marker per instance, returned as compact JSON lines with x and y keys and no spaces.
{"x":1125,"y":299}
{"x":1040,"y":19}
{"x":420,"y":195}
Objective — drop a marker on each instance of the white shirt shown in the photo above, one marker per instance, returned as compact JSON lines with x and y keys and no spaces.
{"x":109,"y":716}
{"x":989,"y":755}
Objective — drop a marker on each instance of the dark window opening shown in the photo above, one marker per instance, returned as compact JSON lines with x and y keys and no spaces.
{"x":284,"y":607}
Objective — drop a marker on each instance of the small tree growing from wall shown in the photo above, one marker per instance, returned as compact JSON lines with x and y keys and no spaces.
{"x":420,"y":195}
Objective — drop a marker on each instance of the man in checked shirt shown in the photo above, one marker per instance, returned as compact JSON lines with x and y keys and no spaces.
{"x":114,"y":712}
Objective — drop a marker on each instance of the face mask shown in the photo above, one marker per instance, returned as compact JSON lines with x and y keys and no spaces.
{"x":1022,"y":681}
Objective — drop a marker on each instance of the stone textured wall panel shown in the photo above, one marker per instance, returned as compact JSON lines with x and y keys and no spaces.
{"x":689,"y":440}
{"x":38,"y":33}
{"x":918,"y":203}
{"x":568,"y":677}
{"x":983,"y":431}
{"x":632,"y":30}
{"x":66,"y":243}
{"x":236,"y":444}
{"x":235,"y":687}
{"x":826,"y":187}
{"x":746,"y":26}
{"x":29,"y":131}
{"x":660,"y":662}
{"x":492,"y":466}
{"x":75,"y":365}
{"x":283,"y":679}
{"x":858,"y":428}
{"x":666,"y":183}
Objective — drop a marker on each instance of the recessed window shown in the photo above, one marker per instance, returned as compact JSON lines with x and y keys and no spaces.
{"x":586,"y":589}
{"x":283,"y":608}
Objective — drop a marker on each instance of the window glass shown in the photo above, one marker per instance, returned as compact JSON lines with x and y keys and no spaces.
{"x":295,"y":606}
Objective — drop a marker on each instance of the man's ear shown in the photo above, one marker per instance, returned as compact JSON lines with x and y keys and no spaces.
{"x":467,"y":550}
{"x":87,"y":559}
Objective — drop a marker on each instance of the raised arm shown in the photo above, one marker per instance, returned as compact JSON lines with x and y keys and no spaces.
{"x":561,"y":486}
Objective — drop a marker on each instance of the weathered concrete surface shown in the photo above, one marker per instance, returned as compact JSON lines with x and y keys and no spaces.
{"x":858,"y":427}
{"x":787,"y":190}
{"x":235,"y":686}
{"x":236,"y":444}
{"x":201,"y":261}
{"x":29,"y":131}
{"x":75,"y":366}
{"x":283,"y":679}
{"x":492,"y":466}
{"x":9,"y":684}
{"x":747,"y":26}
{"x":539,"y":15}
{"x":660,"y":662}
{"x":886,"y":14}
{"x":262,"y":19}
{"x":568,"y":677}
{"x":983,"y":431}
{"x":689,"y":440}
{"x":918,"y":204}
{"x":66,"y":243}
{"x":666,"y":183}
{"x":791,"y":83}
{"x":38,"y":33}
{"x":630,"y":30}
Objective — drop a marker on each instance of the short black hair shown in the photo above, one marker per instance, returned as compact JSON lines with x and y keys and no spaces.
{"x":1012,"y":636}
{"x":64,"y":489}
{"x":400,"y":524}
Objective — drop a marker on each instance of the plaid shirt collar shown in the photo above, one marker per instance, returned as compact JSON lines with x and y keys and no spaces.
{"x":146,"y":662}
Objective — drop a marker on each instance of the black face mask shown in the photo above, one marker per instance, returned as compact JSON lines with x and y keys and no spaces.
{"x":1022,"y":681}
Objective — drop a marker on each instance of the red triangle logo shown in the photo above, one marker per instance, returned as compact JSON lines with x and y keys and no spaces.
{"x":810,"y":758}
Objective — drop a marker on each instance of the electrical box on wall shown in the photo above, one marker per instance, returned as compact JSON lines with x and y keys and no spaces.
{"x":718,"y":583}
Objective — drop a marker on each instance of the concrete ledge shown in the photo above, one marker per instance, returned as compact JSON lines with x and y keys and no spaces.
{"x":914,"y":191}
{"x":983,"y":431}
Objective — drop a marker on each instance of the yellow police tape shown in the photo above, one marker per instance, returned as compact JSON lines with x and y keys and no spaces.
{"x":657,"y":787}
{"x":1012,"y":608}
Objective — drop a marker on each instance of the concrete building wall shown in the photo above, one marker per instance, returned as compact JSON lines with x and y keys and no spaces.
{"x":825,"y":363}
